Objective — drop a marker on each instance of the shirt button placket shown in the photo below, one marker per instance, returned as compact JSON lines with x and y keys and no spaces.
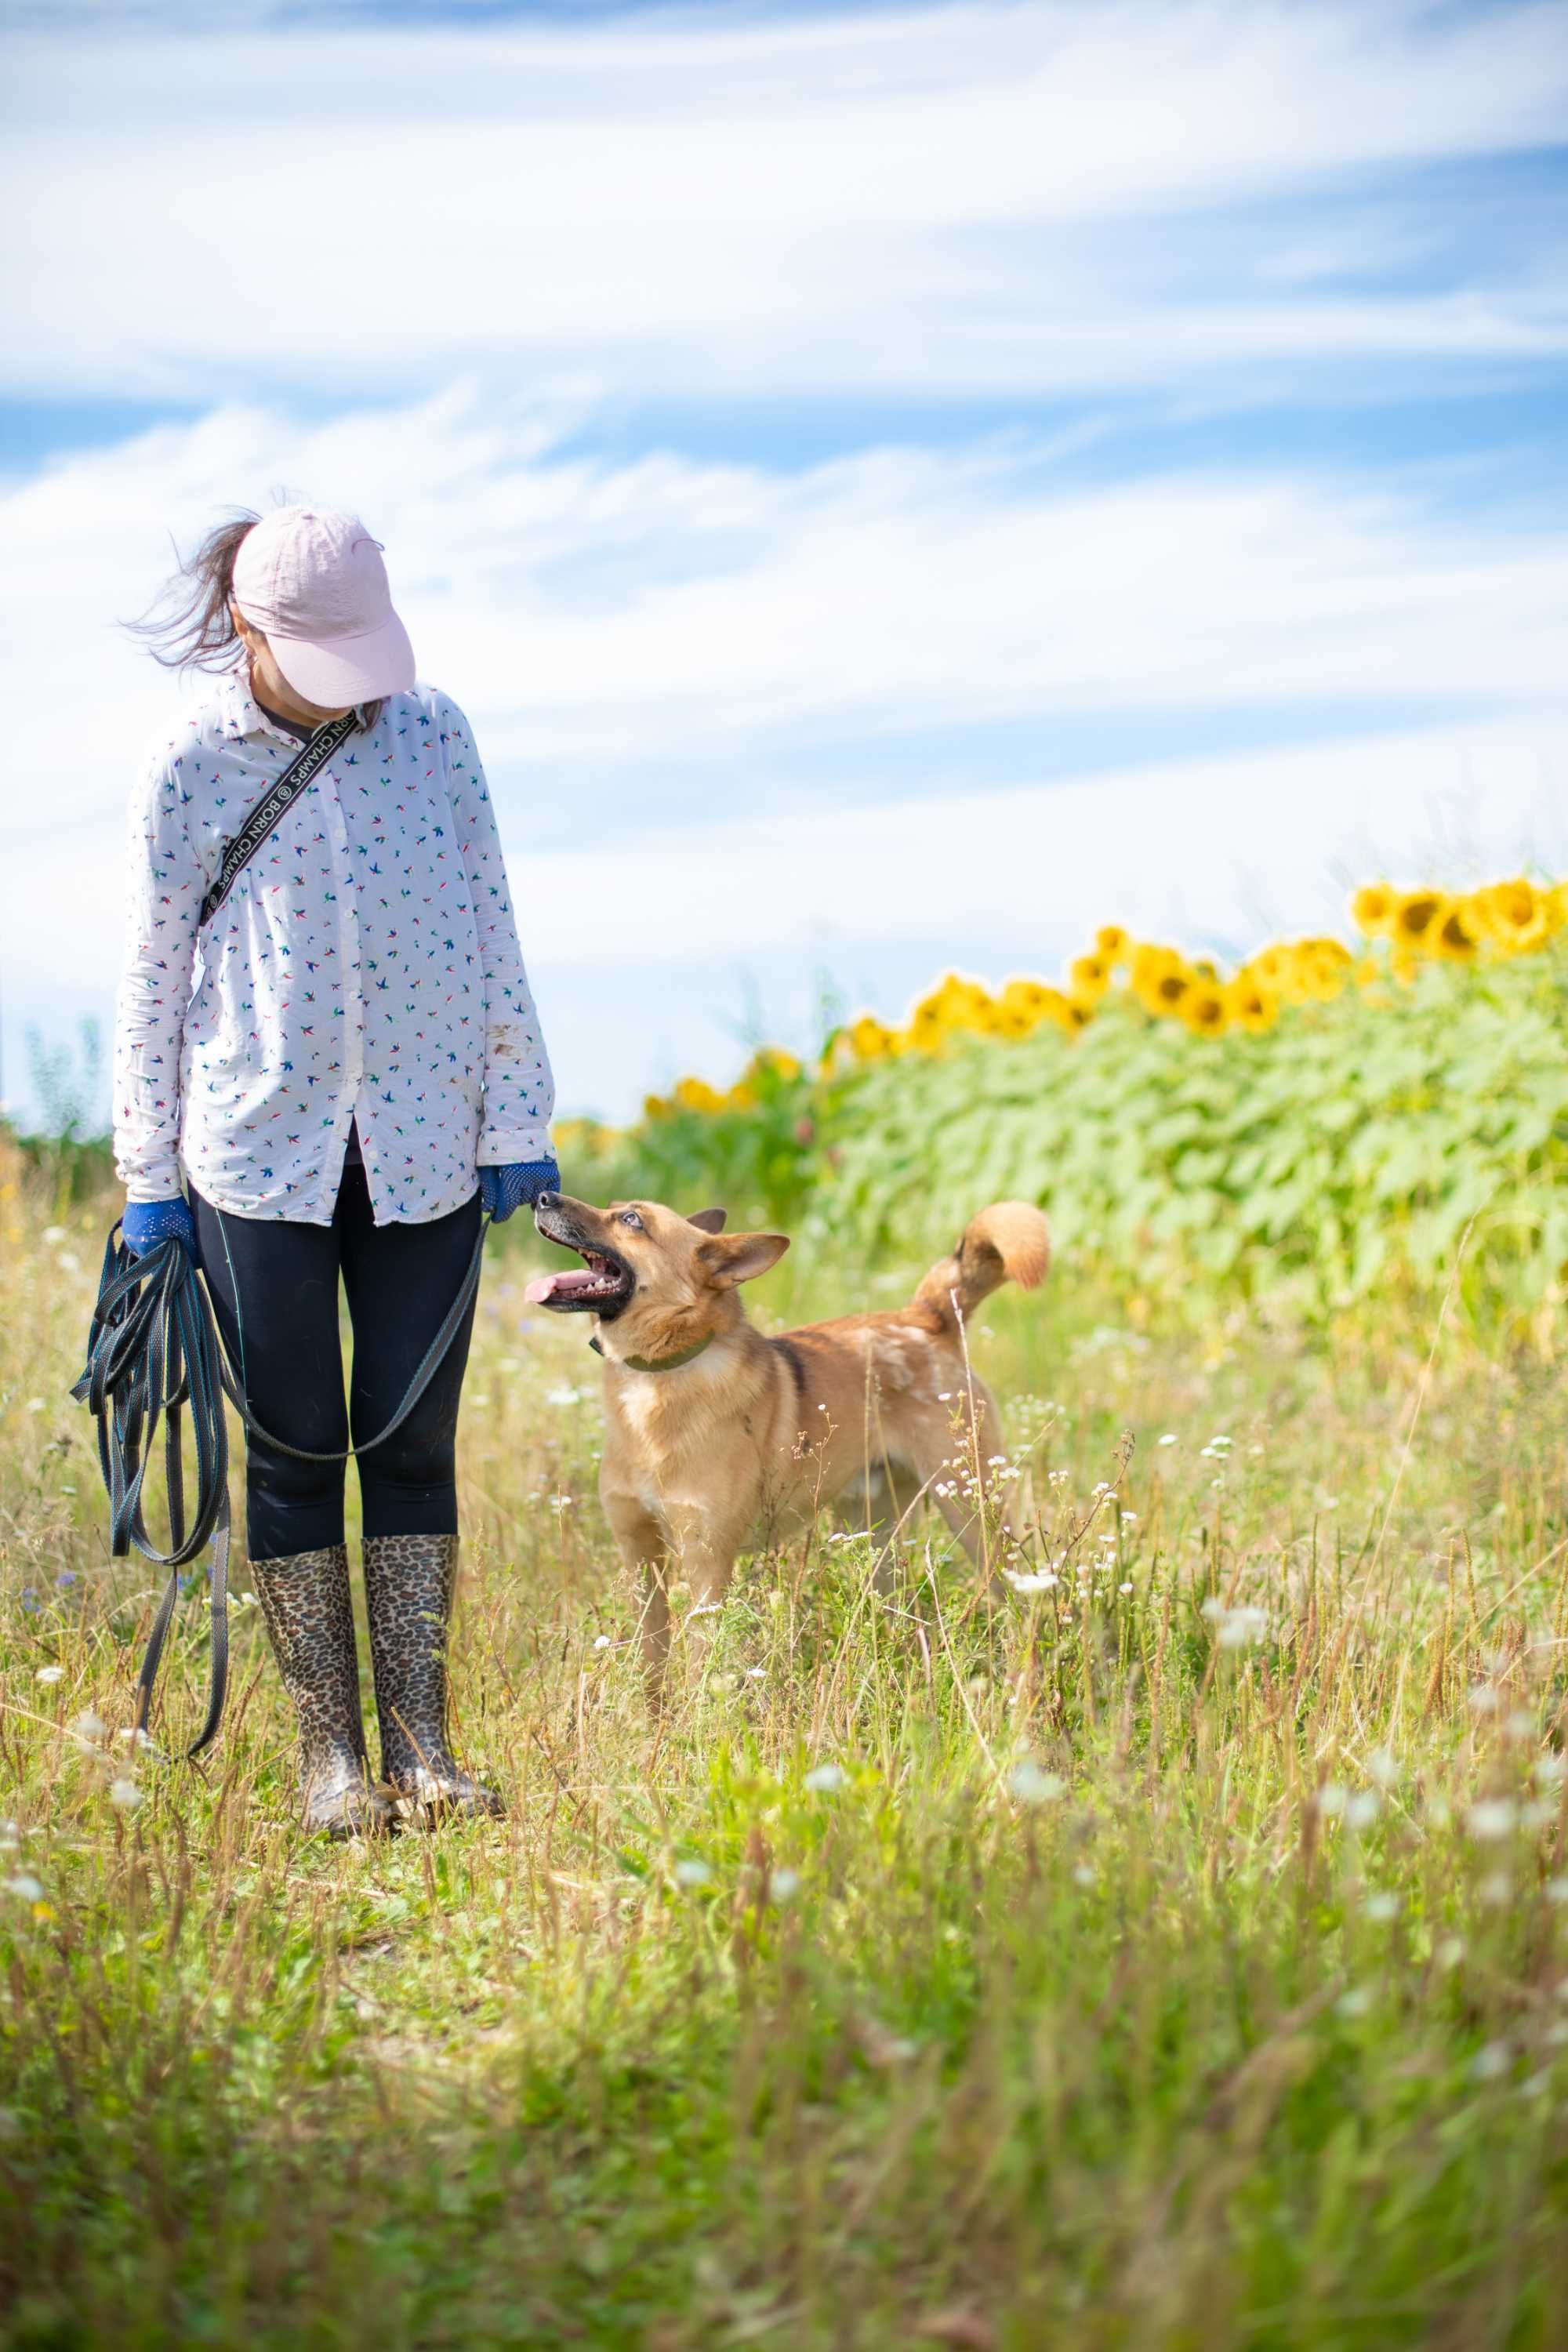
{"x":354,"y":978}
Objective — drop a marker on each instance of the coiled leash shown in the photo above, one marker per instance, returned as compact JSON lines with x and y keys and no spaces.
{"x":154,"y":1348}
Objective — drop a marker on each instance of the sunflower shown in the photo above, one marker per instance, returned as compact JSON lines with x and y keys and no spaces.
{"x":1013,"y":1021}
{"x":696,"y":1093}
{"x":1113,"y":945}
{"x":1160,"y":978}
{"x":1202,"y":1008}
{"x":1273,"y":966}
{"x":928,"y":1026}
{"x":1027,"y":996}
{"x":1372,"y":908}
{"x":962,"y":1001}
{"x":656,"y":1107}
{"x":1320,"y":972}
{"x":1060,"y":1009}
{"x":1456,"y":940}
{"x":1417,"y":916}
{"x":1167,"y":991}
{"x":1249,"y":1002}
{"x":1091,"y":977}
{"x":741,"y":1097}
{"x":1511,"y":916}
{"x":869,"y":1038}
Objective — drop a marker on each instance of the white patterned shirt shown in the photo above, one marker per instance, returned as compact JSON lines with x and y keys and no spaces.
{"x":365,"y":968}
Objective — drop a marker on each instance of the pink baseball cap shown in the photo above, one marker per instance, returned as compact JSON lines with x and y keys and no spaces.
{"x":313,"y":581}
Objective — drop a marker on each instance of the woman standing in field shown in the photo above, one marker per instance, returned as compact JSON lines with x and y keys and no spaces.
{"x":342,"y":1059}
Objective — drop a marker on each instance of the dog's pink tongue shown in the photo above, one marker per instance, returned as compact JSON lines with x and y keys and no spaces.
{"x":539,"y":1289}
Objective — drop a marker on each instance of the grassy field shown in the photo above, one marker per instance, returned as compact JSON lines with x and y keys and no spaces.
{"x":1175,"y":1954}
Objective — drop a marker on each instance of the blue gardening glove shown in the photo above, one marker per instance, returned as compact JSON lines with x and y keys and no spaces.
{"x":503,"y":1189}
{"x":147,"y":1222}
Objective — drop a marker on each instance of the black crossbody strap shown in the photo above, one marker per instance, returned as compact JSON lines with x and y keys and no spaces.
{"x":275,"y":804}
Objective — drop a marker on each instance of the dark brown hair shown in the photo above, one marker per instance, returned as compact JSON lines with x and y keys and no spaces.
{"x":190,"y":625}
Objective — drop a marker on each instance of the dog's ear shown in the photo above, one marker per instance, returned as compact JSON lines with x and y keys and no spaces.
{"x":740,"y":1258}
{"x":709,"y":1221}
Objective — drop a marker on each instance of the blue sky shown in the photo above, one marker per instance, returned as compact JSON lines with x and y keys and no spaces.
{"x":892,"y":486}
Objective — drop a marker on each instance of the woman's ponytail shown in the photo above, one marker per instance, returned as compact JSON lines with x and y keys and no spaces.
{"x":191,"y":625}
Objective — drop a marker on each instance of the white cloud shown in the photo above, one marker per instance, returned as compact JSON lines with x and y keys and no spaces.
{"x":593,"y":613}
{"x":604,"y":622}
{"x":702,"y":207}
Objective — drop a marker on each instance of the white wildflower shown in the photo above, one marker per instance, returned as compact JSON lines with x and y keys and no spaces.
{"x":25,"y":1886}
{"x":1383,"y":1905}
{"x":601,"y":1641}
{"x":125,"y":1794}
{"x":825,"y":1777}
{"x":1031,"y":1786}
{"x":783,"y":1885}
{"x":1355,"y":2002}
{"x":1362,"y":1808}
{"x":1169,"y":1438}
{"x":1490,"y":2060}
{"x":1493,"y":1818}
{"x":50,"y":1674}
{"x":692,"y":1873}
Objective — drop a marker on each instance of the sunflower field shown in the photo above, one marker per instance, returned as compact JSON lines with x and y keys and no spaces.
{"x":1318,"y":1121}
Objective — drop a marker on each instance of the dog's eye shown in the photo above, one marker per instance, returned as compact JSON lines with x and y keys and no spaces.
{"x":630,"y":1217}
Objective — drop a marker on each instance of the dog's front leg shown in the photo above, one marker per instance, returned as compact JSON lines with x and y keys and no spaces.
{"x":644,"y":1544}
{"x":705,"y":1545}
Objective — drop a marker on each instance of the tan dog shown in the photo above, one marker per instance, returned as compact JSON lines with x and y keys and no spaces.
{"x":713,"y":1431}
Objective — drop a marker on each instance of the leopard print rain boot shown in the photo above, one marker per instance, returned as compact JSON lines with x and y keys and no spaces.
{"x":408,"y":1586}
{"x":305,"y":1600}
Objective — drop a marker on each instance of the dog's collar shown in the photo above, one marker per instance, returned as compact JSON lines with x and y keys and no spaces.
{"x":657,"y":1363}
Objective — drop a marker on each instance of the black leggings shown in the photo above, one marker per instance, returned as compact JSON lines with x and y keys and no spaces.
{"x":274,"y":1289}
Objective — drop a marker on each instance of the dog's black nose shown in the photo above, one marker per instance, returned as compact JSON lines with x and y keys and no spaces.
{"x":546,"y":1200}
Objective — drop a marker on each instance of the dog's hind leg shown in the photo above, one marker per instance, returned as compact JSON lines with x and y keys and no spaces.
{"x":958,"y":1466}
{"x":881,"y":1505}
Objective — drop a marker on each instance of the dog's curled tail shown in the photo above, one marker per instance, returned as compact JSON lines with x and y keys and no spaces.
{"x":1009,"y":1241}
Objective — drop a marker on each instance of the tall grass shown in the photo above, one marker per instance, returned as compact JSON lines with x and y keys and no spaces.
{"x":1177,"y":1953}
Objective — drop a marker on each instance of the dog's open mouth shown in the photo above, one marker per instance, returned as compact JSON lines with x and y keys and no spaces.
{"x":602,"y":1283}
